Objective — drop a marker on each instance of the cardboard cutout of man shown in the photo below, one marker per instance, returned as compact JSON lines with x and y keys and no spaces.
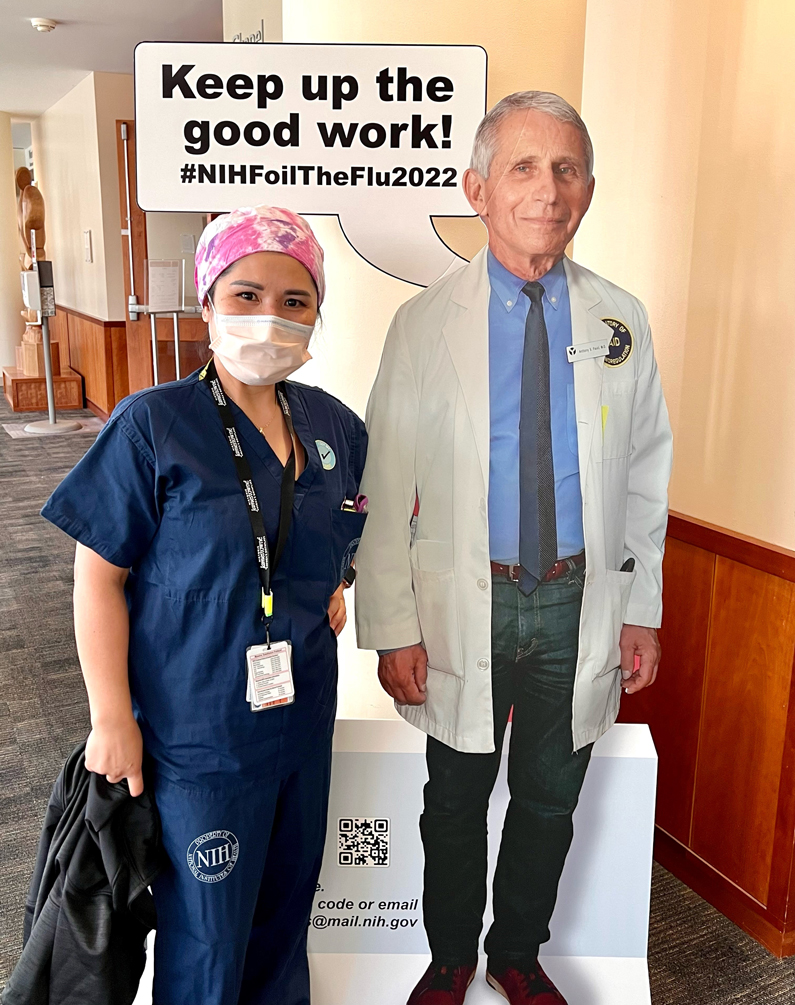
{"x":517,"y":478}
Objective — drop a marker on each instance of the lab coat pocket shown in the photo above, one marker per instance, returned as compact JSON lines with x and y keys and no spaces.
{"x":346,"y":533}
{"x":437,"y":610}
{"x":617,"y":589}
{"x":437,"y":604}
{"x":618,"y":398}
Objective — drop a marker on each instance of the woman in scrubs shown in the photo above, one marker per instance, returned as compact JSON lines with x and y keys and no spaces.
{"x":213,"y":515}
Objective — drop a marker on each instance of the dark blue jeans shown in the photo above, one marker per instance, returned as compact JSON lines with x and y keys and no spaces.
{"x":534,"y":654}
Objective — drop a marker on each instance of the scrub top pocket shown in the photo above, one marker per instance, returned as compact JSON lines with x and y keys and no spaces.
{"x":346,"y":533}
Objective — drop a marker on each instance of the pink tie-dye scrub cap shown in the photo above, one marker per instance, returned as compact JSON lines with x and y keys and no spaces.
{"x":250,"y":229}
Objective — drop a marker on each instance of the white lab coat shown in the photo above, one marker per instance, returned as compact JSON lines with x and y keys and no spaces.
{"x":428,"y":423}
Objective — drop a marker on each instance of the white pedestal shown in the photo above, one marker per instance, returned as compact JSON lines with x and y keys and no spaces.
{"x":370,"y":945}
{"x":383,"y":980}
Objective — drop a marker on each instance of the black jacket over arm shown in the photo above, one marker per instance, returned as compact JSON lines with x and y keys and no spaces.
{"x":88,"y":910}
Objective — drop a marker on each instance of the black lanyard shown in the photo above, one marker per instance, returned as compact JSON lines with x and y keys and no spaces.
{"x":243,"y":469}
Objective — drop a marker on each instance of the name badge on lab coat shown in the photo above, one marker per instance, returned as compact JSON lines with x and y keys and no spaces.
{"x":587,"y":350}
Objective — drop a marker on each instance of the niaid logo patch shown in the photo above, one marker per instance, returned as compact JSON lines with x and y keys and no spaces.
{"x":621,"y":343}
{"x":212,"y":856}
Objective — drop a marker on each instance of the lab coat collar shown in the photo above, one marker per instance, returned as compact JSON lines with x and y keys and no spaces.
{"x":586,"y":326}
{"x":466,"y":333}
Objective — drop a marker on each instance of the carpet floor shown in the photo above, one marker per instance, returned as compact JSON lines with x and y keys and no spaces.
{"x":696,"y":956}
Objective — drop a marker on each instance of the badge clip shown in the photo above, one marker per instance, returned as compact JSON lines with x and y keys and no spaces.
{"x":267,"y":613}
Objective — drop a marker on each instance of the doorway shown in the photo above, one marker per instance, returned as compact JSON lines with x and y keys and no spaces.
{"x":180,"y":336}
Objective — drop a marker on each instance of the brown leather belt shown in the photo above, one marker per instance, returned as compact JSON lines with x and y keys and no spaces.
{"x":560,"y":568}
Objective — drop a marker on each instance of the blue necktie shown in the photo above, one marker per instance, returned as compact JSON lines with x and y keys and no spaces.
{"x":538,"y":537}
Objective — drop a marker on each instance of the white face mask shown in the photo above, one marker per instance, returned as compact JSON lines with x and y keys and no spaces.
{"x":260,"y":348}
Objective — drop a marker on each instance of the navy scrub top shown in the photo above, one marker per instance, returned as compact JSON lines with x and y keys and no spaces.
{"x":158,"y":493}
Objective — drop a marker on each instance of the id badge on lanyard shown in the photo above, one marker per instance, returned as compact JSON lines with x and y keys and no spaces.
{"x":269,"y":666}
{"x":269,"y":676}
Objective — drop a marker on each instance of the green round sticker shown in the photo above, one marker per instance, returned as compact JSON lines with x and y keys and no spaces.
{"x":327,"y":456}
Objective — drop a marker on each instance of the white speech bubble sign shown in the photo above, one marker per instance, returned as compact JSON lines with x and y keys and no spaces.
{"x":379,"y":135}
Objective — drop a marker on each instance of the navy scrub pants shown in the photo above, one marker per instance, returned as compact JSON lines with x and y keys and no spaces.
{"x":233,"y":908}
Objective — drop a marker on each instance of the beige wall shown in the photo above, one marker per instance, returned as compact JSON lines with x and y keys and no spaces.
{"x":642,"y":100}
{"x":529,"y":44}
{"x":74,"y":148}
{"x":690,"y":103}
{"x":736,"y":430}
{"x":248,"y":20}
{"x":535,"y":43}
{"x":691,"y":108}
{"x":11,"y":324}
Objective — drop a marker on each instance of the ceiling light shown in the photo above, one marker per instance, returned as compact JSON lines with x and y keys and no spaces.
{"x":43,"y":23}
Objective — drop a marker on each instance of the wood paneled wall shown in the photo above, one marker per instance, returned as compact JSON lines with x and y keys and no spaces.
{"x":194,"y":347}
{"x":722,"y":714}
{"x":97,"y":350}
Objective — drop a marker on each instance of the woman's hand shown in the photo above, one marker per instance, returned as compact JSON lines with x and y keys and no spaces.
{"x":337,"y":614}
{"x":115,"y":749}
{"x":102,"y":631}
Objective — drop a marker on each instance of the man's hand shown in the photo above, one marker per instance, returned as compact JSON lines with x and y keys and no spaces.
{"x":403,"y":674}
{"x":642,"y":642}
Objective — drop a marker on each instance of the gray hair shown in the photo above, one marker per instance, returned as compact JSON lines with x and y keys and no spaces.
{"x":485,"y":144}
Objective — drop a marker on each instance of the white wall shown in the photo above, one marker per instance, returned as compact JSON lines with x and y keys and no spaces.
{"x":11,"y":324}
{"x":74,"y":145}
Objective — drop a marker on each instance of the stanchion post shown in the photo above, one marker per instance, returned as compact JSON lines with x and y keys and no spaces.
{"x":47,"y":308}
{"x":45,"y":338}
{"x":176,"y":344}
{"x":153,"y":326}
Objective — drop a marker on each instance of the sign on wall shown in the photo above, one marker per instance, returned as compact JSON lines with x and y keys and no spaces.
{"x":379,"y":135}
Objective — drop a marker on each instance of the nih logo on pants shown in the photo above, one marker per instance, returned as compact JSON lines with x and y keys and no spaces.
{"x":212,"y":856}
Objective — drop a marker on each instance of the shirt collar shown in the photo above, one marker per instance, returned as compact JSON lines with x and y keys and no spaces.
{"x":508,"y":287}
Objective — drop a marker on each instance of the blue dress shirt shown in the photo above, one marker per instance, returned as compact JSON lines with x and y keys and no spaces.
{"x":508,"y":308}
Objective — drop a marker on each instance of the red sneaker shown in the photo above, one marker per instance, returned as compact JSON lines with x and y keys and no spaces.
{"x":442,"y":986}
{"x":526,"y":986}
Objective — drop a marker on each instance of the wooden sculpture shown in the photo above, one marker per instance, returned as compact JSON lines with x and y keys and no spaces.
{"x":30,"y":216}
{"x":30,"y":220}
{"x":24,"y":385}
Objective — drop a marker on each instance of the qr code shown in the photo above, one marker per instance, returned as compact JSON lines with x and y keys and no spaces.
{"x":363,"y":841}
